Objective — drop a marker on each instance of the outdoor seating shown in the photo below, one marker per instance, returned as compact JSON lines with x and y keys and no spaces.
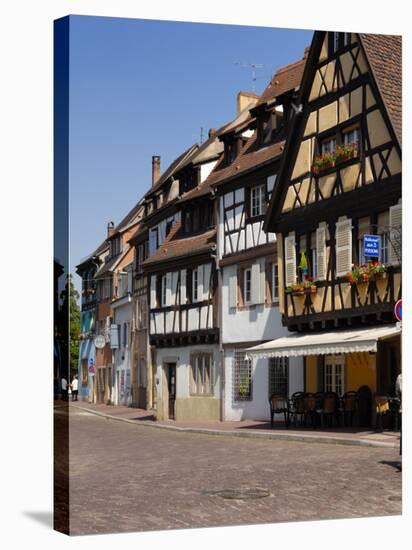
{"x":309,"y":406}
{"x":296,"y":408}
{"x":348,"y":407}
{"x":328,"y":410}
{"x":279,"y":405}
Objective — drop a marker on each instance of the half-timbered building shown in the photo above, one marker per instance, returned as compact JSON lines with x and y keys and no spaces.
{"x":338,"y":190}
{"x":87,"y":269}
{"x":247,"y":255}
{"x":182,"y":287}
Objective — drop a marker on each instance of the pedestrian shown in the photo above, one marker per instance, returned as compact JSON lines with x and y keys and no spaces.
{"x":75,"y":388}
{"x":398,"y":390}
{"x":64,"y":388}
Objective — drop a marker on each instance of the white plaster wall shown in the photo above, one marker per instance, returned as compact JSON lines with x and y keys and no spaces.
{"x":182,"y":358}
{"x":257,"y":323}
{"x":122,"y":356}
{"x":205,"y":169}
{"x":258,"y":407}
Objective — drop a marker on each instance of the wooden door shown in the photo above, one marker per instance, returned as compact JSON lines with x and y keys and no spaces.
{"x":171,"y":386}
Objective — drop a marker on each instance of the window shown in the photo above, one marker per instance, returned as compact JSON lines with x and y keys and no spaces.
{"x":201,"y":374}
{"x":169,"y":224}
{"x":384,"y":257}
{"x":247,"y":285}
{"x":361,"y":251}
{"x":278,"y":376}
{"x":242,"y":377}
{"x":195,"y":285}
{"x":334,"y":373}
{"x":336,"y":41}
{"x":313,"y":256}
{"x":164,"y":291}
{"x":275,"y":283}
{"x":328,"y":145}
{"x":351,"y":136}
{"x":84,"y":371}
{"x":257,"y":196}
{"x":346,"y":38}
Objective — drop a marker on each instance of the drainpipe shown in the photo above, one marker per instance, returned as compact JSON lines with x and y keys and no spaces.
{"x":220,"y":309}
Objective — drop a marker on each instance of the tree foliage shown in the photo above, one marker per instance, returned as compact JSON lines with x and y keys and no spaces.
{"x":71,"y":324}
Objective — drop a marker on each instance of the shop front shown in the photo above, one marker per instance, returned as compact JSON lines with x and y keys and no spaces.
{"x":361,"y":364}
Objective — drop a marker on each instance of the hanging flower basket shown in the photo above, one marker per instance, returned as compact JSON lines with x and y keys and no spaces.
{"x":323,"y":163}
{"x":308,"y":286}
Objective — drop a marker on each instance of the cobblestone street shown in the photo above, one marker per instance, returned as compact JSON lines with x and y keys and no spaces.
{"x":126,"y":477}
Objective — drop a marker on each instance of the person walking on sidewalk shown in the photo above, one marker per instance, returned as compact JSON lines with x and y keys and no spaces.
{"x":75,"y":388}
{"x":64,"y":388}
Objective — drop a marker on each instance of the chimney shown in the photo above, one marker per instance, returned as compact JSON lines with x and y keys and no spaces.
{"x":110,"y":229}
{"x":212,"y":132}
{"x":245,"y":99}
{"x":155,"y":169}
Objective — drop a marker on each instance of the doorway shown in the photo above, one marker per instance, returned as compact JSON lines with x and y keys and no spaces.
{"x":171,"y":387}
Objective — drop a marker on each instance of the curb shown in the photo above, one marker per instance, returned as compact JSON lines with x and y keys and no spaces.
{"x":251,"y":434}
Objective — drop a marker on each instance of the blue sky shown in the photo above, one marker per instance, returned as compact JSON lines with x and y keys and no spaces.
{"x":142,"y":87}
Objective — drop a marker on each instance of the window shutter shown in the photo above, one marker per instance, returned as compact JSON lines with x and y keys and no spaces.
{"x":343,"y":247}
{"x":290,"y":259}
{"x":173,"y":300}
{"x":255,"y":283}
{"x":232,"y":286}
{"x":321,"y":252}
{"x":206,"y":282}
{"x":200,"y":282}
{"x":153,"y":291}
{"x":395,"y":244}
{"x":168,"y":288}
{"x":130,"y":281}
{"x":183,"y":286}
{"x":114,"y":336}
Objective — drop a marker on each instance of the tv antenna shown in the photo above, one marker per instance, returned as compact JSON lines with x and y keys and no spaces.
{"x":252,"y":66}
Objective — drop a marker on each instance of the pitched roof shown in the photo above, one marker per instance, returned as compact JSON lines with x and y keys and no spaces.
{"x":172,"y":168}
{"x":176,"y":246}
{"x":285,"y":79}
{"x":250,"y":157}
{"x":384,"y":53}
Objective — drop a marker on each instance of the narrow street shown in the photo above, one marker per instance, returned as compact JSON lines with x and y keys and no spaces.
{"x":126,"y":477}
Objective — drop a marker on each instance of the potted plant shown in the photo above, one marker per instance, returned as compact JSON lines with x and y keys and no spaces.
{"x":309,"y":285}
{"x":322,"y":163}
{"x":345,"y":151}
{"x":303,"y":264}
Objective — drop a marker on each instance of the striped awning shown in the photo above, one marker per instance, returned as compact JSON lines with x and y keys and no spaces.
{"x":324,"y":343}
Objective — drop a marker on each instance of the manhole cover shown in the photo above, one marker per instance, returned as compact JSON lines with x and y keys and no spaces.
{"x":396,"y":498}
{"x":243,"y":494}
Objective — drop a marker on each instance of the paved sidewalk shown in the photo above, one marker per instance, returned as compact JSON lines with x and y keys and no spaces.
{"x":247,"y":428}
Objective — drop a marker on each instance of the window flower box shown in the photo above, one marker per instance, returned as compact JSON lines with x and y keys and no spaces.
{"x":323,"y":163}
{"x":308,"y":286}
{"x":345,"y":152}
{"x":362,"y":274}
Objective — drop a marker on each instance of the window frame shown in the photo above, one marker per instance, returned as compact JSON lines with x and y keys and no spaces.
{"x":258,"y":202}
{"x":242,"y":366}
{"x":274,"y":279}
{"x":334,"y":378}
{"x":201,"y":380}
{"x":163,"y":291}
{"x":280,"y":363}
{"x":246,"y":283}
{"x":195,"y":285}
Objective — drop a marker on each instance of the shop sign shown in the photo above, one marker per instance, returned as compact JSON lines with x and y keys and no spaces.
{"x":371,"y":246}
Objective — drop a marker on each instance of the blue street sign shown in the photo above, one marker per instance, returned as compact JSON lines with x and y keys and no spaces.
{"x":371,"y":246}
